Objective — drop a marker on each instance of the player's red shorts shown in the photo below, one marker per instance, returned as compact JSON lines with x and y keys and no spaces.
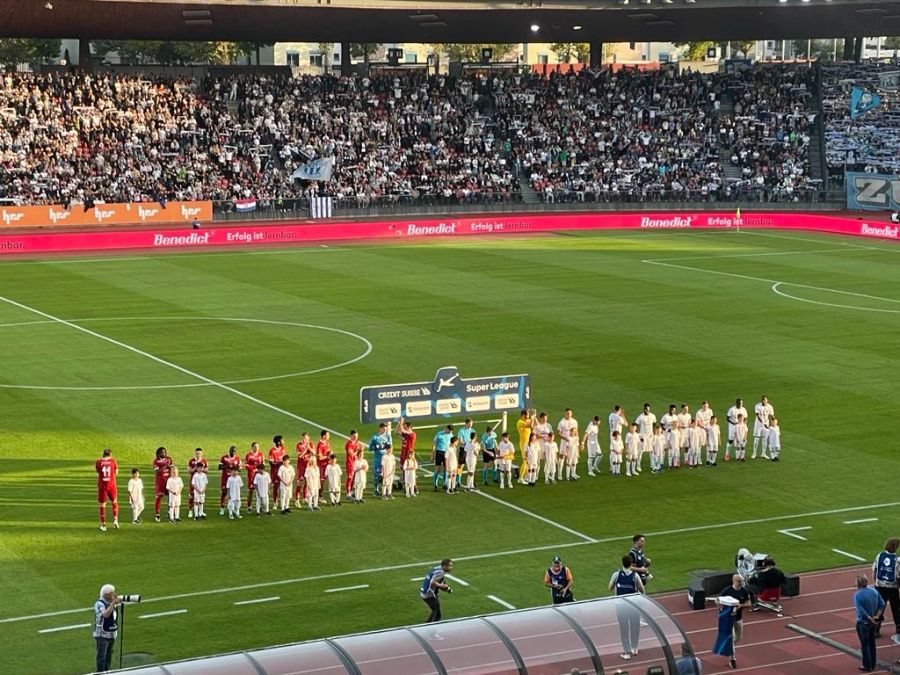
{"x":251,"y":474}
{"x":107,"y":491}
{"x":161,"y":487}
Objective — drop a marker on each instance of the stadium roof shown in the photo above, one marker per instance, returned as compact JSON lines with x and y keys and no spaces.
{"x":449,"y":20}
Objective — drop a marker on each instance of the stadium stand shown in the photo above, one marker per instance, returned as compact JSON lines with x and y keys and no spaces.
{"x":590,"y":136}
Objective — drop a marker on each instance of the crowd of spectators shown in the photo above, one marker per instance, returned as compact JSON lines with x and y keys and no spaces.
{"x":588,"y":136}
{"x":768,"y":133}
{"x":871,"y":142}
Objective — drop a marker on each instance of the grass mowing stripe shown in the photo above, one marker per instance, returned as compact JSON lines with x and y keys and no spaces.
{"x":317,"y":577}
{"x":169,"y":364}
{"x":480,"y":556}
{"x":531,"y":514}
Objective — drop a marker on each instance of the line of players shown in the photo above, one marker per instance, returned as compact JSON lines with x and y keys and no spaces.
{"x":664,"y":441}
{"x":454,"y":458}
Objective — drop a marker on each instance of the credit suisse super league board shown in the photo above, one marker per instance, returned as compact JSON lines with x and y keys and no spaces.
{"x":448,"y":395}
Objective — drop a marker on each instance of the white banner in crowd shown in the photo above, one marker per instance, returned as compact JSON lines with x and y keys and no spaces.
{"x":318,"y":169}
{"x":320,"y":207}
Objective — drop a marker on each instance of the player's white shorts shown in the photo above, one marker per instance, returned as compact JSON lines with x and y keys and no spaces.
{"x":470,"y":464}
{"x":760,"y":431}
{"x":730,"y":432}
{"x":504,"y":464}
{"x":593,"y":448}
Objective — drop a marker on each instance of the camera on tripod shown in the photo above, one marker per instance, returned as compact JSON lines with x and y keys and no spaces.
{"x":130,"y":598}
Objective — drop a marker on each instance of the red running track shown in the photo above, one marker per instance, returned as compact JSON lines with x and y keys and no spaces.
{"x":825,"y":606}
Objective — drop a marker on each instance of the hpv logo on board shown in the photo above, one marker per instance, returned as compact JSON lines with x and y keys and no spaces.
{"x":143,"y":213}
{"x":58,"y":215}
{"x":189,"y":212}
{"x":100,"y":214}
{"x":10,"y":217}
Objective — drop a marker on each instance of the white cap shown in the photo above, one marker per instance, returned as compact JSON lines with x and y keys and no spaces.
{"x":107,"y":588}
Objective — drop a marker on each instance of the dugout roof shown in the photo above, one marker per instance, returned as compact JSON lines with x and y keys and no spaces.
{"x":578,"y":637}
{"x":448,"y":20}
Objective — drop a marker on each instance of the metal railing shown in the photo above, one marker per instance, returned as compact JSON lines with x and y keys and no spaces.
{"x":403,"y":205}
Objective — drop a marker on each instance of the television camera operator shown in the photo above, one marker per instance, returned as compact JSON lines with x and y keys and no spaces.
{"x":767,"y":576}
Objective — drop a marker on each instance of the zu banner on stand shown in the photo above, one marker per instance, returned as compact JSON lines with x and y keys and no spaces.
{"x":448,"y":395}
{"x":872,"y":191}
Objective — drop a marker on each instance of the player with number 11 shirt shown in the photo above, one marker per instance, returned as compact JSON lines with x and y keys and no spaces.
{"x":107,"y":468}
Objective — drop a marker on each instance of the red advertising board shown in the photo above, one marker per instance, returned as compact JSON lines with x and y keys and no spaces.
{"x":411,"y":229}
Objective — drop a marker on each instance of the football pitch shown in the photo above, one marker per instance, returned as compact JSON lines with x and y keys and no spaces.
{"x":215,"y":349}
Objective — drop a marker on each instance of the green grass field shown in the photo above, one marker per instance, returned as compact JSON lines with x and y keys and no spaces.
{"x":585,"y":315}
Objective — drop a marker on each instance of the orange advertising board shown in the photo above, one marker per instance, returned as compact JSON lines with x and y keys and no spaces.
{"x":135,"y":213}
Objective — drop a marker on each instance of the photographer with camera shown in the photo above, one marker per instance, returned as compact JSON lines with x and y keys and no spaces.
{"x":432,"y":584}
{"x":105,"y":626}
{"x":558,"y":578}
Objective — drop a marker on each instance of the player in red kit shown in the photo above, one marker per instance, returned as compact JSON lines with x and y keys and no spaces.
{"x":353,"y":449}
{"x":255,"y":462}
{"x":276,"y":455}
{"x":107,"y":468}
{"x":304,"y":452}
{"x":408,"y":443}
{"x":162,"y":469}
{"x":196,"y":463}
{"x":227,"y":463}
{"x":323,"y":451}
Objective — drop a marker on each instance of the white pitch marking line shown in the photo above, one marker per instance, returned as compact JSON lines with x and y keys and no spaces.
{"x":417,"y":579}
{"x":258,"y":600}
{"x":346,"y":588}
{"x":457,"y":580}
{"x":158,"y":614}
{"x":754,"y":255}
{"x":248,"y":397}
{"x":163,"y":362}
{"x":861,"y":520}
{"x":479,"y":556}
{"x":499,"y":601}
{"x":849,"y":555}
{"x":790,"y":532}
{"x":882,"y":310}
{"x":531,"y":514}
{"x":768,"y":281}
{"x":62,"y":628}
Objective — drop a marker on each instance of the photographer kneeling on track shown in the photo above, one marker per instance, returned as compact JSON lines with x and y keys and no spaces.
{"x":765,"y":585}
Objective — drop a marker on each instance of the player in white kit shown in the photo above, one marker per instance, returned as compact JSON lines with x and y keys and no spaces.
{"x":388,"y":474}
{"x":174,"y":486}
{"x":703,"y":415}
{"x":571,"y":455}
{"x":632,"y":450}
{"x":774,"y":439}
{"x":261,"y":483}
{"x":732,"y":416}
{"x":136,"y":496}
{"x":617,"y":422}
{"x":286,"y":476}
{"x":763,"y":411}
{"x":233,"y":487}
{"x":360,"y":476}
{"x":657,"y":449}
{"x":313,"y":478}
{"x":452,"y":460}
{"x":473,"y":449}
{"x":592,"y":443}
{"x":199,"y":481}
{"x":566,"y":426}
{"x":645,"y":422}
{"x":410,"y":469}
{"x":333,"y":474}
{"x":505,"y":454}
{"x":615,"y":454}
{"x":713,"y":440}
{"x":740,"y":438}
